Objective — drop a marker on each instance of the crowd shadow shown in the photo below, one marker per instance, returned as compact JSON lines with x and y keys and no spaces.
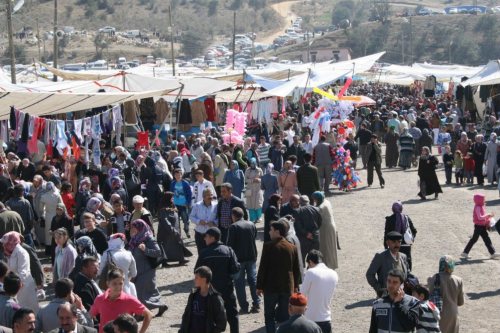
{"x":484,"y":294}
{"x":179,"y":287}
{"x":360,"y":304}
{"x":469,"y":262}
{"x":493,"y":202}
{"x":414,"y":201}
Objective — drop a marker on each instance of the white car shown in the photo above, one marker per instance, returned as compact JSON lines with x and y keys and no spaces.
{"x":107,"y":30}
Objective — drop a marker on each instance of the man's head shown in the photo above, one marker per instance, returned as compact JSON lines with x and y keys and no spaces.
{"x":295,"y":201}
{"x":262,"y":139}
{"x":313,"y":258}
{"x":12,"y":284}
{"x":207,"y":196}
{"x":3,"y":270}
{"x":374,"y":138}
{"x":89,"y":221}
{"x":125,"y":323}
{"x":63,"y":288}
{"x":297,"y":304}
{"x":118,"y":206}
{"x":278,"y":229}
{"x":226,"y":191}
{"x":237,"y":214}
{"x":421,"y":293}
{"x":212,"y":236}
{"x":19,"y":190}
{"x":90,"y":267}
{"x":115,"y":281}
{"x":47,"y":171}
{"x":307,"y":138}
{"x":138,"y":202}
{"x":307,"y":158}
{"x":178,"y":174}
{"x":395,"y":279}
{"x":199,"y":175}
{"x":68,"y":316}
{"x":37,"y":181}
{"x":24,"y":321}
{"x":202,"y":276}
{"x":393,"y":242}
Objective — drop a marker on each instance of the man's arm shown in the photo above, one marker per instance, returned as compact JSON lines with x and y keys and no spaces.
{"x":372,"y":272}
{"x":193,"y":216}
{"x":220,"y":319}
{"x":148,"y":315}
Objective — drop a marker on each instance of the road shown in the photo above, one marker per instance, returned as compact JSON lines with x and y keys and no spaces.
{"x":284,"y":9}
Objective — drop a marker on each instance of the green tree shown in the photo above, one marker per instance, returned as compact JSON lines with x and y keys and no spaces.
{"x":19,"y":53}
{"x":212,"y":7}
{"x":339,"y":14}
{"x":100,"y":42}
{"x":193,"y":43}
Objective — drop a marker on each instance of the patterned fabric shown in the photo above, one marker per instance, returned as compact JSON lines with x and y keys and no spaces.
{"x":225,"y":214}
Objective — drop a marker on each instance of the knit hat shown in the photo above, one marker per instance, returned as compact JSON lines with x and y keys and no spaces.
{"x":298,"y":299}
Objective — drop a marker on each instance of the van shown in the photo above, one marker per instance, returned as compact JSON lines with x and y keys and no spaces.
{"x":133,"y":33}
{"x":150,"y":59}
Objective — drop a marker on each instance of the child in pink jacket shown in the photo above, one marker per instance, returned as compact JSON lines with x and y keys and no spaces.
{"x":481,"y":224}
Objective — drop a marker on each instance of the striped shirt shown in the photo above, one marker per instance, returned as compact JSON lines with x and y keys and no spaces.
{"x":428,"y":320}
{"x":263,"y":151}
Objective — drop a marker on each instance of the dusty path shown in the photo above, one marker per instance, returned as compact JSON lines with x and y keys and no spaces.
{"x":284,"y":10}
{"x":444,"y":227}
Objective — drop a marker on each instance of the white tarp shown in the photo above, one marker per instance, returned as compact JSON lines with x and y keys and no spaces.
{"x":308,"y":81}
{"x":45,"y":103}
{"x":441,"y":72}
{"x":488,"y":75}
{"x":397,"y":79}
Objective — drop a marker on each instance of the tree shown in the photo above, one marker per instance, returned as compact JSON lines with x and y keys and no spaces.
{"x":212,"y":7}
{"x":100,"y":42}
{"x":236,"y":4}
{"x":19,"y":53}
{"x":339,"y":14}
{"x":193,"y":43}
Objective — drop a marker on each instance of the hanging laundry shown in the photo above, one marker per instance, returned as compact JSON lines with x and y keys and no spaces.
{"x":13,"y":118}
{"x":198,"y":112}
{"x":184,"y":118}
{"x":33,"y":141}
{"x":107,"y":122}
{"x":210,"y":109}
{"x":4,"y":131}
{"x":70,"y":125}
{"x":78,"y":129}
{"x":96,"y":127}
{"x":117,"y":123}
{"x":162,"y":110}
{"x":96,"y":153}
{"x":25,"y":128}
{"x":87,"y":127}
{"x":61,"y":139}
{"x":130,"y":112}
{"x":142,"y":140}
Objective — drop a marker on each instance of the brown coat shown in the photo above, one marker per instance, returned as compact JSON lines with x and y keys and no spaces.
{"x":279,"y":270}
{"x":453,"y":296}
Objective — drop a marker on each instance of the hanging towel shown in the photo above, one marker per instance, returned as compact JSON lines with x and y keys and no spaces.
{"x":107,"y":122}
{"x":70,"y":125}
{"x":33,"y":141}
{"x":62,"y":141}
{"x":117,"y":123}
{"x":87,"y":127}
{"x":78,"y":129}
{"x":20,"y":123}
{"x":41,"y":129}
{"x":26,"y":127}
{"x":96,"y":153}
{"x":50,"y":148}
{"x":76,"y":148}
{"x":4,"y":131}
{"x":96,"y":127}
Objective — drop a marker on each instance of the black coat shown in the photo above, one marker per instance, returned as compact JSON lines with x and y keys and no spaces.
{"x":241,"y":238}
{"x":215,"y":313}
{"x":390,"y":225}
{"x":86,"y":290}
{"x":169,"y":239}
{"x":427,"y":174}
{"x":271,"y":214}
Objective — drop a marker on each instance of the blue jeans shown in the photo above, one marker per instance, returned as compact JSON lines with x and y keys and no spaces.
{"x":248,"y":270}
{"x":184,"y":216}
{"x":28,"y":239}
{"x":275,"y":309}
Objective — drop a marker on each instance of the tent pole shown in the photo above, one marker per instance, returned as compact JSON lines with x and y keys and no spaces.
{"x":307,"y":82}
{"x":179,"y":97}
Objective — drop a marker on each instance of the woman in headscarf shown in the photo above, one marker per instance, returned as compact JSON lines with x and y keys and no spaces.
{"x":238,"y":156}
{"x":426,"y":140}
{"x":406,"y":149}
{"x":65,"y":255}
{"x":463,"y":144}
{"x":48,"y":205}
{"x":146,"y":253}
{"x":118,"y":189}
{"x":153,"y":178}
{"x":93,"y":206}
{"x":287,"y":182}
{"x":18,"y":260}
{"x":328,"y":239}
{"x":400,"y":222}
{"x":169,"y":238}
{"x":61,"y":220}
{"x":188,"y":161}
{"x":272,"y":213}
{"x":391,"y":148}
{"x":206,"y":166}
{"x":269,"y":183}
{"x":236,"y":178}
{"x":84,"y":248}
{"x":107,"y":188}
{"x":429,"y":183}
{"x":221,"y":164}
{"x":491,"y":159}
{"x":82,"y":197}
{"x":253,"y":152}
{"x":253,"y":192}
{"x":451,"y":292}
{"x":123,"y":259}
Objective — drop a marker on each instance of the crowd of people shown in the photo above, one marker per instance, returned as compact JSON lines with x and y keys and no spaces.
{"x":105,"y":231}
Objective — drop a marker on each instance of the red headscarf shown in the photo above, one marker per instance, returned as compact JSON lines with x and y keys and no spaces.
{"x":10,"y":241}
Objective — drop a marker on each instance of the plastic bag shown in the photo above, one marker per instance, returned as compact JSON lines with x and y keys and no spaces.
{"x":485,"y":170}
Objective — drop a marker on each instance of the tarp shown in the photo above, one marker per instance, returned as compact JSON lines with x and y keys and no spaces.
{"x":308,"y":81}
{"x":396,"y":79}
{"x":236,"y":96}
{"x":488,"y":75}
{"x":441,"y":72}
{"x":81,"y":76}
{"x":45,"y":103}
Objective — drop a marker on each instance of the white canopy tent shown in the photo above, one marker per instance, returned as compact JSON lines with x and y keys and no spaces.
{"x":441,"y":72}
{"x":488,"y":75}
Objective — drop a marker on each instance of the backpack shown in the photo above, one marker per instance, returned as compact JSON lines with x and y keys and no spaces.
{"x":108,"y":266}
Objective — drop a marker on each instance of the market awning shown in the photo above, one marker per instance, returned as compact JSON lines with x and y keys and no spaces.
{"x":237,"y":96}
{"x":488,"y":75}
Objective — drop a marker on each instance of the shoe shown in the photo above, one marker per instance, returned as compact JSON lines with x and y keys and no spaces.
{"x":255,"y":309}
{"x":464,"y":255}
{"x":369,"y":185}
{"x":243,"y":311}
{"x":161,"y":310}
{"x":495,"y":256}
{"x":183,"y":262}
{"x":382,"y":185}
{"x":436,"y":196}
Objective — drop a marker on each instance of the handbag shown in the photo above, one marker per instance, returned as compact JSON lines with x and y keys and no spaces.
{"x":435,"y":297}
{"x":408,"y":235}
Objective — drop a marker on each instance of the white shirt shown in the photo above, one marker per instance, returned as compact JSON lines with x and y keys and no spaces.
{"x":318,"y":286}
{"x":308,"y":147}
{"x":198,"y":189}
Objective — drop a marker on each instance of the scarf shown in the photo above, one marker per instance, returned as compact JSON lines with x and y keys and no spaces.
{"x":116,"y":242}
{"x":85,"y":247}
{"x":397,"y":209}
{"x":10,"y":240}
{"x":93,"y":205}
{"x":143,"y":233}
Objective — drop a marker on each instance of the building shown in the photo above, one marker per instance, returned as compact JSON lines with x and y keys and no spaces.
{"x":326,"y":54}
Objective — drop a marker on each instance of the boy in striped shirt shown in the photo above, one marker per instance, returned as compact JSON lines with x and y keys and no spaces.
{"x":428,"y":320}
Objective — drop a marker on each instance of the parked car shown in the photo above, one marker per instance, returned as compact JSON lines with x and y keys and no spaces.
{"x":108,"y":30}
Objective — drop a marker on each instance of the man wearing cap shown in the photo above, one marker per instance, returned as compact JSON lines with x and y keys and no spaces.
{"x":395,"y":312}
{"x":298,"y":323}
{"x":385,"y":261}
{"x":222,"y":260}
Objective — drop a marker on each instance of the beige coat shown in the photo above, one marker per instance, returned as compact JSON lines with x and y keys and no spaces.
{"x":288,"y":185}
{"x":220,"y":168}
{"x":453,"y":296}
{"x":328,"y":235}
{"x":253,"y":194}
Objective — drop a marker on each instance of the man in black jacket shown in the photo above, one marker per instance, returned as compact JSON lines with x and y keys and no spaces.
{"x":205,"y":308}
{"x":226,"y":203}
{"x":364,"y":136}
{"x":307,"y":223}
{"x":222,"y":260}
{"x":308,"y":177}
{"x":85,"y":286}
{"x":241,"y":238}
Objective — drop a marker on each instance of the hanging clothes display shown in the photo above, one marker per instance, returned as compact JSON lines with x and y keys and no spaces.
{"x":198,"y":112}
{"x":184,"y":118}
{"x":429,"y":86}
{"x":147,"y":112}
{"x":210,"y":109}
{"x":130,"y":111}
{"x":162,"y":110}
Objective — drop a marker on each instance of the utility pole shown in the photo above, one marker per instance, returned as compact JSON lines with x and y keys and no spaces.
{"x":11,"y":42}
{"x":38,"y":40}
{"x":308,"y":47}
{"x":234,"y":38}
{"x":402,"y":46}
{"x":411,"y":42}
{"x":55,"y":40}
{"x":171,"y":28}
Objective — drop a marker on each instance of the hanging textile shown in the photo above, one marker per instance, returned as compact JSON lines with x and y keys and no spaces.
{"x":61,"y":136}
{"x":210,"y":109}
{"x":142,"y":140}
{"x":130,"y":112}
{"x":184,"y":118}
{"x":198,"y":112}
{"x":117,"y":123}
{"x":161,"y":111}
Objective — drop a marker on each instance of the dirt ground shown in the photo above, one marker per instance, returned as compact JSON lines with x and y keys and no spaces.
{"x":444,"y":227}
{"x":284,"y":9}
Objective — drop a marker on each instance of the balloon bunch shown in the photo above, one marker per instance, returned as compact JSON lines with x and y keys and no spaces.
{"x":235,"y":127}
{"x":343,"y":129}
{"x":344,"y":175}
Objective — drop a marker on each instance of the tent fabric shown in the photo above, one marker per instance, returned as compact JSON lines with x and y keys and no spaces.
{"x":441,"y":72}
{"x":488,"y":75}
{"x":237,"y":96}
{"x":81,"y":76}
